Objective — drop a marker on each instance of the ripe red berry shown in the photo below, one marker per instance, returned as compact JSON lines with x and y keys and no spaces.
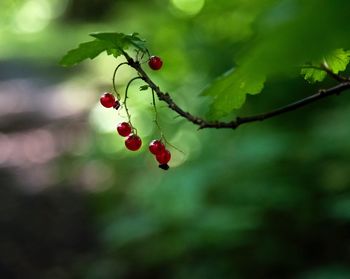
{"x":156,"y":147}
{"x":124,"y":129}
{"x":107,"y":100}
{"x":163,"y":157}
{"x":155,"y":63}
{"x":133,"y":142}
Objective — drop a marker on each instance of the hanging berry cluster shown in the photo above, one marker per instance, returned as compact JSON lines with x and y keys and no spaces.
{"x":126,"y":129}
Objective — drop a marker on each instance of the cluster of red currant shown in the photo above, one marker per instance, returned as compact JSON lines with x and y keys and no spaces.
{"x":163,"y":156}
{"x":133,"y":142}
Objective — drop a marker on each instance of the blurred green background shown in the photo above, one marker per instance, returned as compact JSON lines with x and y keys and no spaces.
{"x":269,"y":200}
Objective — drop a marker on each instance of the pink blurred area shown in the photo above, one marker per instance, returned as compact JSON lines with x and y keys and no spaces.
{"x":38,"y":124}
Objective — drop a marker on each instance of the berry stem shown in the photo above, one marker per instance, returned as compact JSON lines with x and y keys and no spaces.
{"x":156,"y":121}
{"x":139,"y":59}
{"x":113,"y":79}
{"x":125,"y":105}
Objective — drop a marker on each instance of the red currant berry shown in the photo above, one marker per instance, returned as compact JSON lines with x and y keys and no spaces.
{"x":133,"y":142}
{"x":107,"y":100}
{"x":156,"y":146}
{"x":155,"y":63}
{"x":163,"y":157}
{"x":124,"y":129}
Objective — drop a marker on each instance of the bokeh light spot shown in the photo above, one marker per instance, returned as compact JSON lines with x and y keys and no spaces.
{"x":190,"y":7}
{"x":33,"y":16}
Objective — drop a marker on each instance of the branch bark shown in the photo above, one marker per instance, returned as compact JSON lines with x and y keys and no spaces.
{"x":343,"y":85}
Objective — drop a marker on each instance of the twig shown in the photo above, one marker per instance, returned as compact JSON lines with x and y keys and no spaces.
{"x":324,"y":67}
{"x":337,"y":77}
{"x":344,"y":84}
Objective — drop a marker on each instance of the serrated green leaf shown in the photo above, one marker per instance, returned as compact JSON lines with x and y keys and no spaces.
{"x":229,"y":91}
{"x":111,"y":42}
{"x":115,"y":52}
{"x":137,"y":42}
{"x":120,"y":40}
{"x":84,"y":51}
{"x":338,"y":60}
{"x":116,"y":39}
{"x":313,"y":75}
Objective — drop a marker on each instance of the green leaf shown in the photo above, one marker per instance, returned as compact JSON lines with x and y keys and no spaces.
{"x":120,"y":40}
{"x":137,"y":42}
{"x":313,"y":75}
{"x":336,"y":61}
{"x":230,"y":90}
{"x":84,"y":51}
{"x":114,"y":52}
{"x":144,"y":87}
{"x":112,"y":43}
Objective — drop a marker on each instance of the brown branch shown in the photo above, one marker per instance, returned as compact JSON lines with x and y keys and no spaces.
{"x":202,"y":123}
{"x":323,"y":67}
{"x":333,"y":75}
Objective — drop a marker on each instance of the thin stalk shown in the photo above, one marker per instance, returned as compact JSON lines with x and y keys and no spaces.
{"x":162,"y":137}
{"x":113,"y":79}
{"x":156,"y":115}
{"x":125,"y":105}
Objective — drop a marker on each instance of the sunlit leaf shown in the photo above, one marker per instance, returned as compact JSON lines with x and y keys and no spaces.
{"x":336,"y":61}
{"x":112,"y":43}
{"x":313,"y":75}
{"x":120,"y":40}
{"x":85,"y":51}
